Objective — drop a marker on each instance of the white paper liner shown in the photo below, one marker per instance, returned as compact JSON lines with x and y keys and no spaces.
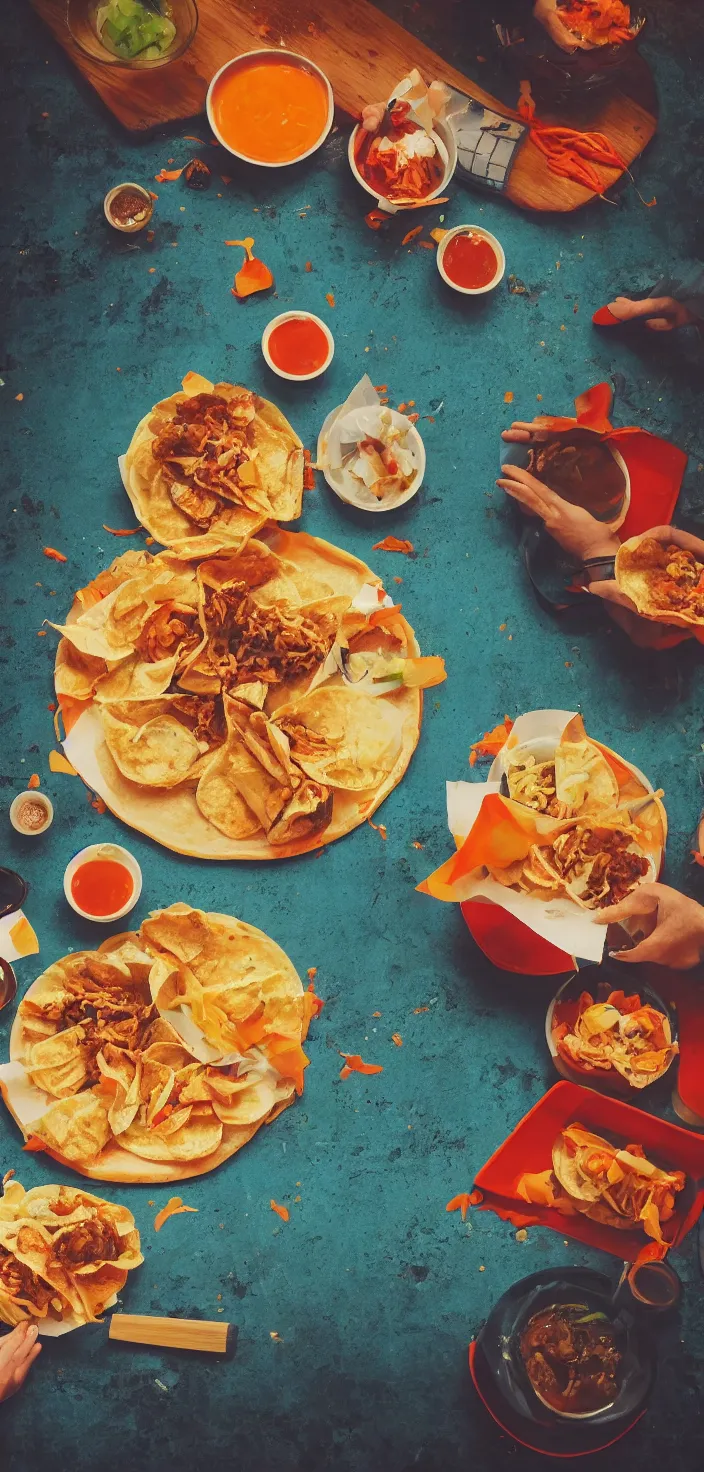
{"x":559,"y":921}
{"x":8,"y":949}
{"x":362,"y":407}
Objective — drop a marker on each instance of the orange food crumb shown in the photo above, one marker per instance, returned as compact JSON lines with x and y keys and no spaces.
{"x":394,"y":544}
{"x":19,"y":398}
{"x":411,"y":234}
{"x":123,"y":531}
{"x":492,"y":741}
{"x":281,"y":1211}
{"x":166,"y":174}
{"x":376,"y":1014}
{"x":397,"y":1039}
{"x":41,"y":633}
{"x":56,"y":556}
{"x":174,"y":1207}
{"x":51,"y":707}
{"x":501,"y":628}
{"x":418,"y":1010}
{"x":379,"y":828}
{"x":354,"y":1064}
{"x":309,"y":265}
{"x":464,"y":1200}
{"x":539,"y":397}
{"x":34,"y":780}
{"x":426,"y":244}
{"x":508,"y":397}
{"x":398,"y":580}
{"x":312,"y":973}
{"x":381,"y":388}
{"x":416,"y":844}
{"x":413,"y":418}
{"x":99,"y":805}
{"x":329,"y":298}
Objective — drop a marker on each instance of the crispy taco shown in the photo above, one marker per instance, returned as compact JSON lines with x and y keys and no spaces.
{"x":594,"y":862}
{"x":576,"y":779}
{"x":207,"y":467}
{"x":620,"y":1034}
{"x":64,"y":1255}
{"x":664,"y":581}
{"x":161,"y":1054}
{"x":250,"y":705}
{"x":618,"y":1187}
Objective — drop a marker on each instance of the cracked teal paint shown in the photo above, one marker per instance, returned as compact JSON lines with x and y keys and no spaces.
{"x":373,"y":1290}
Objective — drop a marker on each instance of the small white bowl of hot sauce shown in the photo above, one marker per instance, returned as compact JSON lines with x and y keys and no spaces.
{"x":270,"y":107}
{"x":471,"y":260}
{"x":298,"y":345}
{"x":103,"y":882}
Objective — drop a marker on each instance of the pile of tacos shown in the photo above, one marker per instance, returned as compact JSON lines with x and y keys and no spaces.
{"x":617,"y":1187}
{"x":64,"y":1255}
{"x":244,"y":705}
{"x":207,"y":467}
{"x":160,"y":1054}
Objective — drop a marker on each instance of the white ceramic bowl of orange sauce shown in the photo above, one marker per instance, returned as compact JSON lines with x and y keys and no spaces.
{"x":482,"y":236}
{"x":95,"y":869}
{"x":239,"y":105}
{"x":277,"y":362}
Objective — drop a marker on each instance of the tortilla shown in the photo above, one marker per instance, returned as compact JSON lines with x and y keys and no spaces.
{"x":662,"y":580}
{"x":64,"y":1254}
{"x":211,"y":465}
{"x":188,"y":1037}
{"x":185,"y":736}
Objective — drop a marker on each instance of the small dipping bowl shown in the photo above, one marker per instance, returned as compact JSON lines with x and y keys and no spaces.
{"x":132,"y":222}
{"x":81,"y":21}
{"x":483,"y":235}
{"x":25,"y":813}
{"x":104,"y":854}
{"x":236,"y":69}
{"x":297,"y":317}
{"x":446,"y":143}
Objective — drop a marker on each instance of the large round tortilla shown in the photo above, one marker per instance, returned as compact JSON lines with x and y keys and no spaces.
{"x":171,"y":817}
{"x":116,"y":1164}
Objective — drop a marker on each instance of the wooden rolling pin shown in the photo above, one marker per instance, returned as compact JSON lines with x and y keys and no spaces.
{"x":214,"y":1336}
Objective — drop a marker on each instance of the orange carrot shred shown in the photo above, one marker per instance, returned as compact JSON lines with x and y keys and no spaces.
{"x":309,"y":265}
{"x":308,"y":472}
{"x":174,"y":1207}
{"x":355,"y":1064}
{"x":34,"y":780}
{"x":379,"y":828}
{"x":329,"y":298}
{"x":411,"y":235}
{"x":508,"y":397}
{"x":416,"y":844}
{"x":34,"y":1144}
{"x":394,"y":544}
{"x":123,"y":531}
{"x":312,"y":973}
{"x":417,"y":1010}
{"x":426,"y":244}
{"x":381,"y":388}
{"x":397,"y":1039}
{"x":281,"y":1211}
{"x":56,"y":556}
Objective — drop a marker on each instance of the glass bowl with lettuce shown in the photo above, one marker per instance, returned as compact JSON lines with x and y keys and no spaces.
{"x":132,"y":33}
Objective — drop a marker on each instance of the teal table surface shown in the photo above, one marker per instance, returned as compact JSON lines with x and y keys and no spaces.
{"x":354,"y":1318}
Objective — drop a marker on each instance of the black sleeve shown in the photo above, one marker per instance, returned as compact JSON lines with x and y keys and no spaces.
{"x":512,"y":12}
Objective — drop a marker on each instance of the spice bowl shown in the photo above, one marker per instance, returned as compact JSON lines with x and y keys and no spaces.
{"x":25,"y":814}
{"x":131,"y":222}
{"x":496,"y":246}
{"x":103,"y":861}
{"x":302,"y":317}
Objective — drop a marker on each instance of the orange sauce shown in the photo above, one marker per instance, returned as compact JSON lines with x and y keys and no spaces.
{"x":271,"y":111}
{"x":470,"y":261}
{"x":298,"y":346}
{"x":102,"y":886}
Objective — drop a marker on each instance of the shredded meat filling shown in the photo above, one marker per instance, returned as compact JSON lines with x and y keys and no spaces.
{"x":600,"y":861}
{"x":202,"y":448}
{"x":107,"y":1015}
{"x":20,"y":1283}
{"x":93,"y":1241}
{"x":170,"y":628}
{"x":677,"y":581}
{"x":248,"y":642}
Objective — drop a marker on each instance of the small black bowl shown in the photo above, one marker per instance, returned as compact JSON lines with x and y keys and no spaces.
{"x":599,"y":981}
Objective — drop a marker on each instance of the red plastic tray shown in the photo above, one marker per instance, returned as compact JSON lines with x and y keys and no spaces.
{"x":529,"y":1148}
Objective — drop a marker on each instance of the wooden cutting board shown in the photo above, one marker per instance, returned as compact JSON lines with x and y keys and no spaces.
{"x":364,"y":54}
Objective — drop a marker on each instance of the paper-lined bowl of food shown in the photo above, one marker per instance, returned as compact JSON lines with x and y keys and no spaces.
{"x":371,"y":456}
{"x":411,"y":156}
{"x":65,"y":1256}
{"x":610,"y":1040}
{"x":249,"y":706}
{"x":562,"y":828}
{"x":664,"y":580}
{"x":159,"y":1055}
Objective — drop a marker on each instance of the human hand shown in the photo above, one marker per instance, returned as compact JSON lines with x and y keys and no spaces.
{"x":18,"y":1351}
{"x":526,"y":432}
{"x":662,"y":312}
{"x":546,"y":12}
{"x":573,"y":528}
{"x":372,"y":116}
{"x":674,"y":925}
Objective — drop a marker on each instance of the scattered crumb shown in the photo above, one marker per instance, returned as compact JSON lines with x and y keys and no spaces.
{"x":508,"y":397}
{"x":397,"y":1039}
{"x":482,"y":1269}
{"x":522,"y":1235}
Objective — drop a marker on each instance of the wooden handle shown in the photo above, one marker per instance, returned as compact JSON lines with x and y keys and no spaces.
{"x":203,"y":1334}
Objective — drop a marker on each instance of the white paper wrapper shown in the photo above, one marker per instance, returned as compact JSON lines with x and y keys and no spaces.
{"x":359,"y":416}
{"x":8,"y":948}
